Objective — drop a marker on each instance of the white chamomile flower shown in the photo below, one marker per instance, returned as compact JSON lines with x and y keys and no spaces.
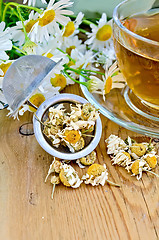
{"x":5,"y":42}
{"x":95,"y":84}
{"x":106,"y":56}
{"x":100,"y":36}
{"x":17,"y":33}
{"x":73,"y":43}
{"x":33,"y":2}
{"x":4,"y":65}
{"x":48,"y":21}
{"x":37,"y":98}
{"x":72,"y":26}
{"x":81,"y":60}
{"x":48,"y":48}
{"x":56,"y":78}
{"x":113,"y":79}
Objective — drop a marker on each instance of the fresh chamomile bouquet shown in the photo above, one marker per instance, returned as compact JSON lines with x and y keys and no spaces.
{"x":55,"y":32}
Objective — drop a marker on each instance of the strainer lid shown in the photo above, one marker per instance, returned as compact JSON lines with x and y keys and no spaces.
{"x":23,"y":77}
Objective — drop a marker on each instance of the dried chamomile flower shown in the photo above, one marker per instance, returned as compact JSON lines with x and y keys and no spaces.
{"x":88,"y":129}
{"x":89,"y":112}
{"x":115,"y":144}
{"x":151,"y":160}
{"x":137,"y":157}
{"x":69,"y":176}
{"x":69,"y":128}
{"x":55,"y":167}
{"x":75,"y":114}
{"x":138,"y":149}
{"x":122,"y":159}
{"x":97,"y":174}
{"x":79,"y":145}
{"x":56,"y":115}
{"x":72,"y":136}
{"x":129,"y":141}
{"x":54,"y":180}
{"x":89,"y":159}
{"x":138,"y":167}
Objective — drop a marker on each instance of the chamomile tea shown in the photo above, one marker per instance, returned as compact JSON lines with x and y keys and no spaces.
{"x":138,"y":59}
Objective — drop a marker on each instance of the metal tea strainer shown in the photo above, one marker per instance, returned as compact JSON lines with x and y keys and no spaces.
{"x":23,"y":77}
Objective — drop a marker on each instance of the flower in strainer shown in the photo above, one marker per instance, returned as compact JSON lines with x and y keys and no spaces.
{"x":5,"y":42}
{"x":48,"y":21}
{"x":100,"y":36}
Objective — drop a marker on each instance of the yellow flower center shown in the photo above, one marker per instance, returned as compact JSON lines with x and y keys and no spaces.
{"x":49,"y":55}
{"x":152,"y":161}
{"x":71,"y":63}
{"x":72,"y":136}
{"x":69,"y":50}
{"x":127,"y":154}
{"x":37,"y":99}
{"x":4,"y":67}
{"x":104,"y":33}
{"x":29,"y":25}
{"x":135,"y":167}
{"x":95,"y":170}
{"x":69,"y":29}
{"x":108,"y":85}
{"x":47,"y":18}
{"x":58,"y":81}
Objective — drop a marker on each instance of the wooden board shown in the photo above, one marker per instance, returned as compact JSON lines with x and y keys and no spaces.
{"x":28,"y":213}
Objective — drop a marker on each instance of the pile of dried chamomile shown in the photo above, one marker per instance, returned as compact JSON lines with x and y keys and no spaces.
{"x":62,"y":172}
{"x":135,"y":157}
{"x":71,"y":128}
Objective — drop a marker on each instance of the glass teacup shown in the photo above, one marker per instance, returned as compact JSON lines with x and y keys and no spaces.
{"x":136,"y":42}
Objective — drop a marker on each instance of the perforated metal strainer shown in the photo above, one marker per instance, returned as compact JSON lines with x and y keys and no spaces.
{"x":23,"y":77}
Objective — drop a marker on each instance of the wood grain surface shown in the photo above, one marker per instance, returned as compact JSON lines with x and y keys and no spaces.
{"x":27,"y":211}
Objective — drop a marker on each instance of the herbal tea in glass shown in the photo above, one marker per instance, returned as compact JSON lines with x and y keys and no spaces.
{"x":137,"y":51}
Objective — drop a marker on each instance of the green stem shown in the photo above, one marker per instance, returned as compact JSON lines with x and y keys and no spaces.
{"x":19,"y":5}
{"x":87,"y":22}
{"x":76,"y":81}
{"x":53,"y":190}
{"x":14,"y":12}
{"x":1,"y":3}
{"x":78,"y":72}
{"x":113,"y":184}
{"x":67,"y":55}
{"x":82,"y":30}
{"x":86,"y":70}
{"x":17,"y":53}
{"x":21,"y":18}
{"x":19,"y":50}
